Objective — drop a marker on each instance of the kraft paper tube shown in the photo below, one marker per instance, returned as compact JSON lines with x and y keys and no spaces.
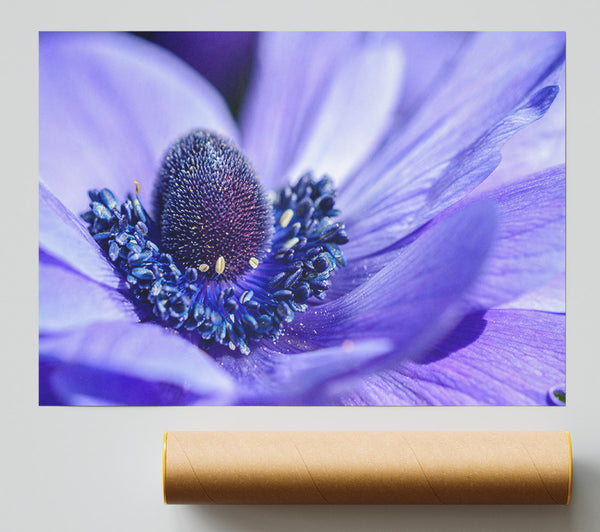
{"x":367,"y":467}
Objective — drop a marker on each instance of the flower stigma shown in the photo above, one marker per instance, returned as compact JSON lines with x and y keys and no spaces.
{"x":219,"y":261}
{"x":210,"y":206}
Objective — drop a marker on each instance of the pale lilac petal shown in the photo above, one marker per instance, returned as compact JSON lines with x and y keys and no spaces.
{"x":494,"y":74}
{"x":530,"y":250}
{"x":355,"y":111}
{"x":501,"y":83}
{"x":110,"y":106}
{"x":550,"y":297}
{"x":97,"y":362}
{"x":504,"y":357}
{"x":401,"y":208}
{"x":319,"y":102}
{"x":271,"y":377}
{"x":68,"y":299}
{"x":540,"y":145}
{"x":464,"y":173}
{"x":289,"y":73}
{"x":429,"y":56}
{"x":63,"y":236}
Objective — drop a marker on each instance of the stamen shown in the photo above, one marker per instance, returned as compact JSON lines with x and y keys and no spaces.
{"x":220,"y":265}
{"x":253,"y":262}
{"x":291,"y":242}
{"x":286,"y":217}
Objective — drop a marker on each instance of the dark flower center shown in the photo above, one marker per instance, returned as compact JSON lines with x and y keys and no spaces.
{"x":210,"y":274}
{"x":212,"y":212}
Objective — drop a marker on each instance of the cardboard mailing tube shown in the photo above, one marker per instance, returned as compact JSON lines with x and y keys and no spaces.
{"x":367,"y":467}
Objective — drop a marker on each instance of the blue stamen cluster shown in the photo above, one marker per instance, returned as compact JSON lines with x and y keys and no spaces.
{"x":308,"y":246}
{"x":208,"y":307}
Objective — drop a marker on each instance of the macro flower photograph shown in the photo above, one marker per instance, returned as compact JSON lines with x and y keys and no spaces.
{"x":302,"y":218}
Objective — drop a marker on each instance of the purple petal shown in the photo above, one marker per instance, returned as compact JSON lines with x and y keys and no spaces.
{"x":69,"y":300}
{"x":46,"y":395}
{"x":271,"y":377}
{"x":454,"y":142}
{"x":429,"y":55}
{"x":288,"y":75}
{"x":464,"y":173}
{"x":550,"y":297}
{"x":530,"y":250}
{"x":222,"y":57}
{"x":63,"y":236}
{"x":319,"y":101}
{"x":504,"y":357}
{"x":413,"y":298}
{"x":110,"y":105}
{"x":540,"y":145}
{"x":355,"y":111}
{"x":494,"y":74}
{"x":138,"y":364}
{"x":398,"y":212}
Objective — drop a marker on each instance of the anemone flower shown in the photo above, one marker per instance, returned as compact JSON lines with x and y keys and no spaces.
{"x":384,"y":225}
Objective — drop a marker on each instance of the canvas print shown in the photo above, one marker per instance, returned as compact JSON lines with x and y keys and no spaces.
{"x":296,"y":218}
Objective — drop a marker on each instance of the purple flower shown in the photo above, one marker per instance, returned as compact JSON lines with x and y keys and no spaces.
{"x":447,"y":151}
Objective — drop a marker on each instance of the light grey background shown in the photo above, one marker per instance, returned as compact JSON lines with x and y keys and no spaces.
{"x":99,"y":469}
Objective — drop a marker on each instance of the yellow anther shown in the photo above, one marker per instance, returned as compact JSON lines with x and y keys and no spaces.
{"x":220,"y":265}
{"x":286,"y":217}
{"x":137,"y":186}
{"x":253,"y":262}
{"x":204,"y":267}
{"x":291,"y":242}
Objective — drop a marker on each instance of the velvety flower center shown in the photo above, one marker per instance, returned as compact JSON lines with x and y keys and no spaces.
{"x":212,"y":212}
{"x":220,"y":263}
